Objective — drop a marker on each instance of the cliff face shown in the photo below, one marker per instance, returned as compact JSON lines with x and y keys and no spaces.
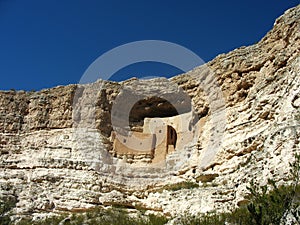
{"x":54,"y":160}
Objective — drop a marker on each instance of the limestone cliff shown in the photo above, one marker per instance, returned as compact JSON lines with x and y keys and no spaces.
{"x":47,"y":151}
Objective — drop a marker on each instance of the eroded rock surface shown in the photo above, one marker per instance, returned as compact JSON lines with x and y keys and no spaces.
{"x":54,"y":144}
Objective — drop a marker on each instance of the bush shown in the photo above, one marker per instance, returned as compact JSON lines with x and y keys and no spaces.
{"x":6,"y":204}
{"x":100,"y":216}
{"x":178,"y":186}
{"x":269,"y":208}
{"x":264,"y":208}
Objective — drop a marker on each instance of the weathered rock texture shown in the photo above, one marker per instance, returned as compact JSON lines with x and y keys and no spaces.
{"x":47,"y":165}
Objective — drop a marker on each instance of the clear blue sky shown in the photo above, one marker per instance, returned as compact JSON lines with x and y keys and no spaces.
{"x":49,"y":43}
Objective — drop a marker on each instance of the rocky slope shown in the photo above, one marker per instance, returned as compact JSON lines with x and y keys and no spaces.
{"x":53,"y":159}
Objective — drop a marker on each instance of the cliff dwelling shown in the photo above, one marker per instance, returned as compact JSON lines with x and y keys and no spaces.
{"x":156,"y":130}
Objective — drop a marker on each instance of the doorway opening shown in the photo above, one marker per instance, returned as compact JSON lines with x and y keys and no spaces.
{"x":171,"y":139}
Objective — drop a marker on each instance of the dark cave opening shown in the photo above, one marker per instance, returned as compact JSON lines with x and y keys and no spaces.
{"x":150,"y":107}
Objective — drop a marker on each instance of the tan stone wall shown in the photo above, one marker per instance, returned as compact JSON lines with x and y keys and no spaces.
{"x":180,"y":122}
{"x":181,"y":125}
{"x":157,"y":138}
{"x":161,"y":144}
{"x":135,"y":143}
{"x":142,"y":144}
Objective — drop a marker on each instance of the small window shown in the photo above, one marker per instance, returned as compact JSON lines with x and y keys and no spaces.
{"x":124,"y":141}
{"x":190,"y":127}
{"x":159,"y":131}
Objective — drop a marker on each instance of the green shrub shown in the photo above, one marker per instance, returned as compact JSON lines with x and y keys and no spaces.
{"x":269,"y":208}
{"x":264,"y":208}
{"x":239,"y":216}
{"x":100,"y":216}
{"x":178,"y":186}
{"x":6,"y":204}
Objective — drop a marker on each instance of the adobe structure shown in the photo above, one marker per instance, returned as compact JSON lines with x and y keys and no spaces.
{"x":158,"y":138}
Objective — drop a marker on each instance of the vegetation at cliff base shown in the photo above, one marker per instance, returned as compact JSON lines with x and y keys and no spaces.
{"x":99,"y":216}
{"x":267,"y":205}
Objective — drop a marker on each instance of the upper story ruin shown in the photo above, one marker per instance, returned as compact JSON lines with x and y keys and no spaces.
{"x":155,"y":130}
